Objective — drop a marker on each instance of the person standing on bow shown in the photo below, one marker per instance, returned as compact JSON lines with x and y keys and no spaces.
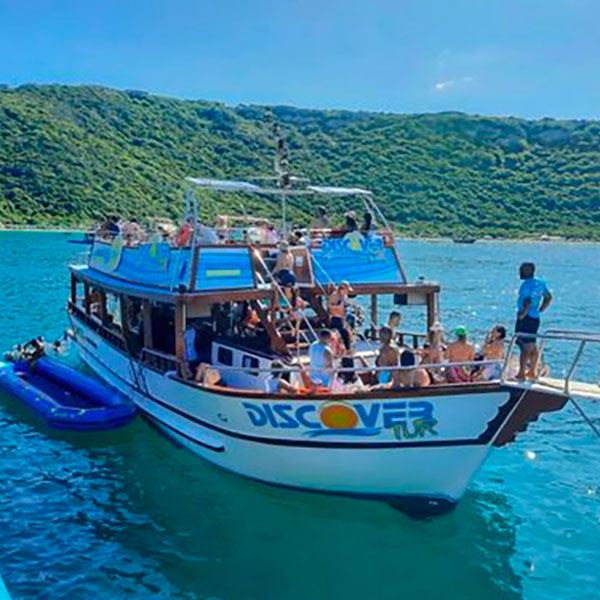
{"x":534,"y":298}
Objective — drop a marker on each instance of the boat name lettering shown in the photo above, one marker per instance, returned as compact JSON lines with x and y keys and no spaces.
{"x":406,"y":420}
{"x":354,"y":242}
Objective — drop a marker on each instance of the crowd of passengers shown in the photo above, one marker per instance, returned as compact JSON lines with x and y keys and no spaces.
{"x":332,"y":358}
{"x":331,"y":366}
{"x":263,"y":230}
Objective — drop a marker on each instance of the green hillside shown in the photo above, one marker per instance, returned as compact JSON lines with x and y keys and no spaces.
{"x":70,"y":155}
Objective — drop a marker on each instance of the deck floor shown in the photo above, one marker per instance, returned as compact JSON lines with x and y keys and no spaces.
{"x":577,"y":388}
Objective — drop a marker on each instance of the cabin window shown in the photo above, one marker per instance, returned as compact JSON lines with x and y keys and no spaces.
{"x":225,"y":356}
{"x":249,"y":362}
{"x":163,"y":328}
{"x":113,"y":311}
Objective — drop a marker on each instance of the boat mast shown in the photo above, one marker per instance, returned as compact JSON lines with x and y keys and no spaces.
{"x":284,"y":181}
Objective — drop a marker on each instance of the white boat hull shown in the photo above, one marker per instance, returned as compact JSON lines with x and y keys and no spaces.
{"x":421,"y":448}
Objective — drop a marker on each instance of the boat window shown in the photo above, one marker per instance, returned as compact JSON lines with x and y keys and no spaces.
{"x":163,"y":328}
{"x":225,"y":356}
{"x":113,"y":311}
{"x":250,"y":362}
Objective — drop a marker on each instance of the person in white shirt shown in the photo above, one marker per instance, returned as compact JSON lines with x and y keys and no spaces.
{"x":321,"y":360}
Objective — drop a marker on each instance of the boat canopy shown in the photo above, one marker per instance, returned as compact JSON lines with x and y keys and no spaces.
{"x":339,"y":191}
{"x":232,"y":186}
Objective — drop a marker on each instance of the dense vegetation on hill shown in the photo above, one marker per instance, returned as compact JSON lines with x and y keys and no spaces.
{"x":70,"y":155}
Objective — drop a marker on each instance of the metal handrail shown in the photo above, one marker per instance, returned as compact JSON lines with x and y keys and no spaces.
{"x":368,"y":369}
{"x":282,"y":294}
{"x":583,"y":337}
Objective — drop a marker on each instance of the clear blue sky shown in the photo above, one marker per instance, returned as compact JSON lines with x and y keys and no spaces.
{"x":529,"y":58}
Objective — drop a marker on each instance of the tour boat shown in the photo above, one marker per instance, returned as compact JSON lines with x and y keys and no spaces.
{"x":418,"y":448}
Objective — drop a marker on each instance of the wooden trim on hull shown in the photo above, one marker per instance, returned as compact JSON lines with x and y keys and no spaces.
{"x":530,"y":408}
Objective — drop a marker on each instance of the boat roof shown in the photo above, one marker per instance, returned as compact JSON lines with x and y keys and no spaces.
{"x":227,"y":185}
{"x":161,"y":294}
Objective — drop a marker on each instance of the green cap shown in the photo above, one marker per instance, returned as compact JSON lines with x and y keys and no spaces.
{"x":461,"y":331}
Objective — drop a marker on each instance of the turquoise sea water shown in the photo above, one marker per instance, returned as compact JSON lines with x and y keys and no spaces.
{"x":127,"y":514}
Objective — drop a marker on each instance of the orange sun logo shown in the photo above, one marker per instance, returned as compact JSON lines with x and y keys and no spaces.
{"x":338,"y":415}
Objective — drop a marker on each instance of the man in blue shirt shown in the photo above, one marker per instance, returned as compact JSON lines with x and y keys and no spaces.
{"x":534,"y":299}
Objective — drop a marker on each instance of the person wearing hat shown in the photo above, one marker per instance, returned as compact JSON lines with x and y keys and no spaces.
{"x":284,"y":266}
{"x":338,"y":308}
{"x":460,"y":351}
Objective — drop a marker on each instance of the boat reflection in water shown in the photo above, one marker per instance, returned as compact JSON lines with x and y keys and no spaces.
{"x":285,"y":544}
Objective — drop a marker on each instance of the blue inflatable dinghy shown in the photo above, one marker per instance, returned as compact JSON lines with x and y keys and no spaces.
{"x":64,"y":397}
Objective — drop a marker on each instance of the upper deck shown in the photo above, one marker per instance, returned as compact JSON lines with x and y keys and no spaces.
{"x":240,"y":265}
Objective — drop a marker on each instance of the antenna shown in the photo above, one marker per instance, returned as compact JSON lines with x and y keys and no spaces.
{"x":284,"y":179}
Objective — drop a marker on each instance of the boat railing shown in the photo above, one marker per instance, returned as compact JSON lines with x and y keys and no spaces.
{"x":96,"y":325}
{"x":159,"y":361}
{"x":316,"y":236}
{"x":282,"y":296}
{"x":301,"y":370}
{"x":581,"y":338}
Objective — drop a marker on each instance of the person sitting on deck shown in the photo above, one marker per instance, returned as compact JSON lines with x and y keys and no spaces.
{"x":322,"y":220}
{"x":298,"y":238}
{"x":279,"y":380}
{"x":198,"y":345}
{"x":271,"y":235}
{"x":110,"y":228}
{"x":284,"y":266}
{"x":183,"y":236}
{"x":493,"y":349}
{"x":208,"y":376}
{"x":367,"y":225}
{"x":132,"y":232}
{"x":350,"y":224}
{"x":205,"y":235}
{"x":411,"y":375}
{"x":434,"y":352}
{"x":388,"y":355}
{"x":338,"y":307}
{"x":321,"y":360}
{"x":460,"y":351}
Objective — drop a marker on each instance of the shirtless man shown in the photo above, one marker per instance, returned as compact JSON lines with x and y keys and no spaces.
{"x":434,"y":352}
{"x":284,"y":266}
{"x":388,"y":355}
{"x":338,"y":306}
{"x":460,"y":351}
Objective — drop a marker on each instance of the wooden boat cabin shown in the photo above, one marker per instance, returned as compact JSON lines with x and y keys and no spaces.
{"x":143,"y":298}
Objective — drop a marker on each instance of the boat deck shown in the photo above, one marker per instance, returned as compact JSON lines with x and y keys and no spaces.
{"x":576,"y":388}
